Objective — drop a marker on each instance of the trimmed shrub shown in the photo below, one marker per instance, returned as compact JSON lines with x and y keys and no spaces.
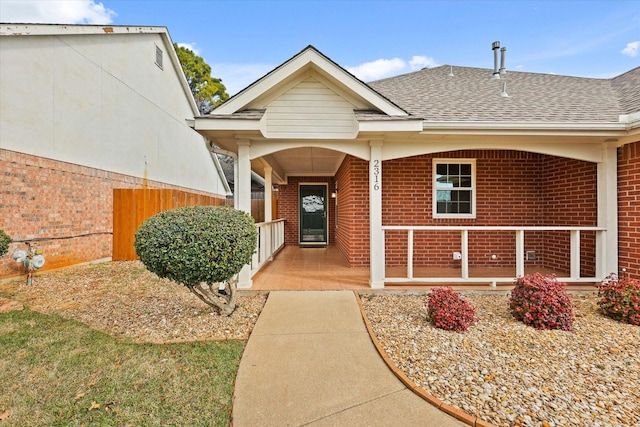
{"x":199,"y":247}
{"x":448,"y":311}
{"x":5,"y":239}
{"x":542,"y":302}
{"x":619,"y":299}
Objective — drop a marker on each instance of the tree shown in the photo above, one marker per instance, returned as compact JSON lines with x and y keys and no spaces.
{"x":199,"y":247}
{"x":208,"y":91}
{"x":5,"y":239}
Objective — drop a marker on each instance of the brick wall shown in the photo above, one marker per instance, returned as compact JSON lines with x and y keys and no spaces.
{"x":513,"y":188}
{"x":43,"y":199}
{"x":570,"y":197}
{"x":352,"y":234}
{"x":629,"y":209}
{"x":289,"y":207}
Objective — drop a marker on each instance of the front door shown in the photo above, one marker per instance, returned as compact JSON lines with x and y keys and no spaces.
{"x":313,"y":214}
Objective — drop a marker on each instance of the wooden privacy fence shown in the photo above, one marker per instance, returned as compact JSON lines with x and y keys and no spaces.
{"x":132,"y":206}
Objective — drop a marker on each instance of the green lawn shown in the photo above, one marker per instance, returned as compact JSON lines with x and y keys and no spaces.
{"x":55,"y":371}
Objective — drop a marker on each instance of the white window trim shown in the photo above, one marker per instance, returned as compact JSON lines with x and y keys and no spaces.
{"x":435,"y":188}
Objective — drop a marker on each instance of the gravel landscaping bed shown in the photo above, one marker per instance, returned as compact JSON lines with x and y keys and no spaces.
{"x":511,"y":374}
{"x":126,"y":300}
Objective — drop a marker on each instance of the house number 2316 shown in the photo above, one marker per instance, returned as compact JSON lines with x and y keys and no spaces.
{"x":376,"y":175}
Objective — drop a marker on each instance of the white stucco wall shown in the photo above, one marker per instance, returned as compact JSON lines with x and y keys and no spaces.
{"x":100,"y":100}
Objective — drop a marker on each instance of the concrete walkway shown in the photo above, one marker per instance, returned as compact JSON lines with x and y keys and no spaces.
{"x":310,"y":362}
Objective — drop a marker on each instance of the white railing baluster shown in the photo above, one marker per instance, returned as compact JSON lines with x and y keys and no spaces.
{"x":464,"y":247}
{"x":519,"y":253}
{"x":575,"y":254}
{"x":269,"y":241}
{"x":410,"y":254}
{"x":574,"y":266}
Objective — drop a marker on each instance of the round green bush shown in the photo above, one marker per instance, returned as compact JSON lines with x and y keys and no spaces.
{"x":542,"y":302}
{"x":5,"y":239}
{"x":196,"y":244}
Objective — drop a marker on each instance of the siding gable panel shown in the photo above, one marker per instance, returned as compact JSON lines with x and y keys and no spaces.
{"x":310,"y":110}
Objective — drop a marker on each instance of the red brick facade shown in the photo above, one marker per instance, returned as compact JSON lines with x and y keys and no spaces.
{"x":352,"y":235}
{"x":513,"y":188}
{"x":71,"y":205}
{"x":629,"y":209}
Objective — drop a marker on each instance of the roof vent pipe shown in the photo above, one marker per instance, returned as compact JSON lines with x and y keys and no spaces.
{"x":450,"y":70}
{"x":502,"y":53}
{"x":495,"y":46}
{"x":504,"y":93}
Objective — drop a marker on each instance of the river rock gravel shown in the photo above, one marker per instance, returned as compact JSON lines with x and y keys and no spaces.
{"x":511,"y":374}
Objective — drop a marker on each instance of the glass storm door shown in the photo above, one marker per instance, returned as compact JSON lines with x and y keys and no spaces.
{"x":313,"y":214}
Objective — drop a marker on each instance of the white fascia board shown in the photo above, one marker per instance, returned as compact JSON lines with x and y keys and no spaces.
{"x":521,"y":127}
{"x":201,"y":123}
{"x":294,"y":65}
{"x":390,"y":126}
{"x":631,"y":120}
{"x":70,"y":29}
{"x":178,"y":69}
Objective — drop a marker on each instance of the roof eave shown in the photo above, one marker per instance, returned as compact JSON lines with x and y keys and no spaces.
{"x":539,"y":128}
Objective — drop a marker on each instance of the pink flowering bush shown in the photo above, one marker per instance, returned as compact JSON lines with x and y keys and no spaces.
{"x":542,"y":302}
{"x":448,"y":311}
{"x":619,"y":299}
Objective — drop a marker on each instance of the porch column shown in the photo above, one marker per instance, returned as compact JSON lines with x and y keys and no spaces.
{"x":607,"y":242}
{"x":243,"y":188}
{"x":376,"y":243}
{"x":268,"y":216}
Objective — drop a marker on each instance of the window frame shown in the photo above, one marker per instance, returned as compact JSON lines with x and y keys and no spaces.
{"x":435,"y":188}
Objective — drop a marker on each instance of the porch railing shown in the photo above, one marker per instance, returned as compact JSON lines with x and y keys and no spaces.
{"x":270,"y":240}
{"x":519,"y":231}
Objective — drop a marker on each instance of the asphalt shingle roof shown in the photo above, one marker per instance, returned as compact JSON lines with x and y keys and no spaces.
{"x":471,"y":95}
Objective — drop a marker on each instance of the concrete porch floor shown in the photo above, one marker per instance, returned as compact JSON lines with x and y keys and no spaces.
{"x":298,"y":268}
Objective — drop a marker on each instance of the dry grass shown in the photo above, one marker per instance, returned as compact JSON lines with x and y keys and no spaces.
{"x":83,"y":352}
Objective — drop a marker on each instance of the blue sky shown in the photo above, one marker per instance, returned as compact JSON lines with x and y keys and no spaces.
{"x":243,"y":40}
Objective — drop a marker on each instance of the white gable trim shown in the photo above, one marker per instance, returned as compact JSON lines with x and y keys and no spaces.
{"x":309,"y":57}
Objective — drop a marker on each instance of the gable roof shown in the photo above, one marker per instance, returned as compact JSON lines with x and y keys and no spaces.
{"x":627,"y":86}
{"x":471,"y":95}
{"x":308,"y":59}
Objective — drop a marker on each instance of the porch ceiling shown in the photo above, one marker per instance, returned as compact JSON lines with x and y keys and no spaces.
{"x":301,"y":161}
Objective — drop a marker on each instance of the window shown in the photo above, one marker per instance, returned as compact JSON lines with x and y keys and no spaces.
{"x":454,"y":188}
{"x":159,"y":57}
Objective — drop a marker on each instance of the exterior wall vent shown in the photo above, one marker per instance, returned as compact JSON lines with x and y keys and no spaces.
{"x":159,"y":57}
{"x":531,"y":256}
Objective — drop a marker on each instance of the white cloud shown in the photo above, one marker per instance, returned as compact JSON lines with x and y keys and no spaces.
{"x":378,"y":69}
{"x":55,"y":12}
{"x":632,"y":49}
{"x":382,"y":68}
{"x":419,"y":62}
{"x":191,"y":46}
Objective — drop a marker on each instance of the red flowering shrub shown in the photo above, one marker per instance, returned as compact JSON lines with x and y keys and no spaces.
{"x":620,"y":299}
{"x":542,"y":302}
{"x":448,"y":311}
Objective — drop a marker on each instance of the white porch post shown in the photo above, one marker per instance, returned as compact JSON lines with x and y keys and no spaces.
{"x":376,"y":243}
{"x":607,"y":242}
{"x":268,"y":216}
{"x":243,"y":188}
{"x":268,"y":184}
